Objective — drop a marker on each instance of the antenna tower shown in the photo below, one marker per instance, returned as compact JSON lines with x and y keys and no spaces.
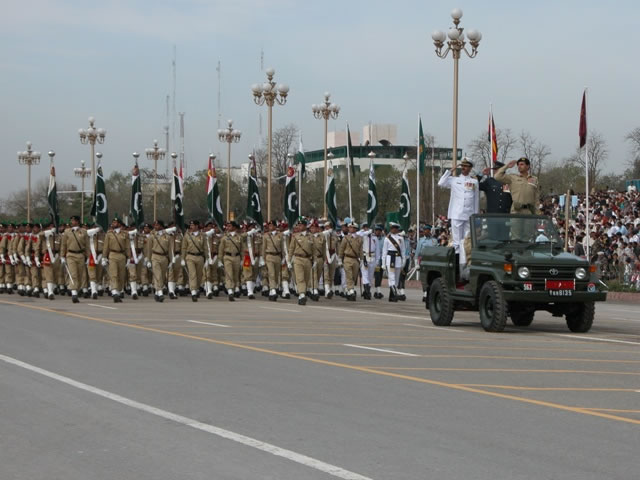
{"x":183,"y":162}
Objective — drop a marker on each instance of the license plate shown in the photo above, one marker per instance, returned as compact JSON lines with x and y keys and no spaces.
{"x":560,"y":293}
{"x":559,"y":285}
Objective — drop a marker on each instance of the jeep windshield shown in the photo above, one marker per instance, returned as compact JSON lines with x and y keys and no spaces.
{"x":520,"y":231}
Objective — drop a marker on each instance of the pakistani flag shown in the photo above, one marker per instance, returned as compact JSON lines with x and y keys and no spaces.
{"x":99,"y":207}
{"x":422,"y":150}
{"x":177,"y":198}
{"x":254,"y":207}
{"x":135,"y":208}
{"x":300,"y":160}
{"x":330,"y":198}
{"x":52,"y":198}
{"x":290,"y":197}
{"x":372,"y":202}
{"x":405,"y":203}
{"x":213,"y":197}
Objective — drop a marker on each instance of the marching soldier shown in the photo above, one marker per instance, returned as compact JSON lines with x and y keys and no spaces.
{"x":32,"y":252}
{"x":146,"y":277}
{"x":369,"y":259}
{"x":350,"y":254}
{"x":176,"y":269}
{"x":212,"y":269}
{"x":136,"y":264}
{"x":73,"y":253}
{"x":317,"y":267}
{"x":94,"y":265}
{"x":5,"y":263}
{"x":230,"y":249}
{"x":114,"y":254}
{"x":50,"y":250}
{"x":379,"y":235}
{"x":285,"y":271}
{"x":158,"y":247}
{"x":272,"y":257}
{"x":21,"y":263}
{"x":193,"y":248}
{"x":301,"y":255}
{"x":392,"y":258}
{"x":252,"y":257}
{"x":330,"y":264}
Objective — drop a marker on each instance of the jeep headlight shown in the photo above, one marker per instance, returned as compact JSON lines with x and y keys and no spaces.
{"x":523,"y":272}
{"x":581,"y":273}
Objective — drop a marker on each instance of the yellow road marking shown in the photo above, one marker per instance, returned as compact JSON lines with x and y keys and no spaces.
{"x":611,"y":410}
{"x":521,"y":370}
{"x":550,"y":389}
{"x":372,"y":371}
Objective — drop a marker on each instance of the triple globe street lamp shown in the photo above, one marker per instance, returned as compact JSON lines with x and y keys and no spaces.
{"x":82,"y":172}
{"x":271,"y":95}
{"x":28,"y":157}
{"x":325,"y":110}
{"x":92,"y":135}
{"x":154,"y":153}
{"x":229,"y":135}
{"x":456,"y":44}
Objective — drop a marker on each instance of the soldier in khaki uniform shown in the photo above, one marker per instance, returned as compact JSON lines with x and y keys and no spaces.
{"x":17,"y":247}
{"x":251,"y":268}
{"x":285,"y":271}
{"x":525,"y":193}
{"x":176,"y":272}
{"x":146,"y":275}
{"x":194,"y":248}
{"x":158,"y":248}
{"x":95,"y":269}
{"x":350,"y":255}
{"x":317,"y":266}
{"x":136,"y":264}
{"x":74,"y":251}
{"x":114,"y":254}
{"x":301,"y":254}
{"x":32,"y":253}
{"x":4,"y":262}
{"x":212,"y":269}
{"x":231,"y":250}
{"x":330,"y":261}
{"x":272,"y":257}
{"x":50,"y":250}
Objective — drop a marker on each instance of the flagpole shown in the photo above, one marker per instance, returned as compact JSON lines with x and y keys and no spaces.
{"x":433,"y":182}
{"x":300,"y":189}
{"x":346,"y":163}
{"x":418,"y":155}
{"x":491,"y":139}
{"x":586,"y":166}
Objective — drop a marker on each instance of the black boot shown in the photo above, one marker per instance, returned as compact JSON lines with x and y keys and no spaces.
{"x":392,"y":294}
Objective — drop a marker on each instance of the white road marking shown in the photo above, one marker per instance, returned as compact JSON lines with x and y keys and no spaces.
{"x":189,"y":422}
{"x":381,"y":350}
{"x":282,"y":309}
{"x":101,"y":306}
{"x":596,"y":339}
{"x":208,"y":323}
{"x":435,"y":328}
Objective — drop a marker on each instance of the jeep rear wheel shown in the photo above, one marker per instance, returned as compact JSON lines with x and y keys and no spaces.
{"x":493,"y":308}
{"x":581,"y":319}
{"x":522,"y":318}
{"x":440,"y":304}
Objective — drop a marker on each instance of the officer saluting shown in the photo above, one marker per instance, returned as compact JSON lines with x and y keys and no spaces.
{"x":498,"y":193}
{"x":525,"y":190}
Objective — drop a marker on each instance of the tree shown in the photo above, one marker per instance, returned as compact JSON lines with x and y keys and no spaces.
{"x":536,"y":151}
{"x":633,"y":170}
{"x":556,"y":179}
{"x":480,"y":148}
{"x":597,"y":154}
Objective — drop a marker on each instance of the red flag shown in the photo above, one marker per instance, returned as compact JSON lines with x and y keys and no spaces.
{"x":493,"y":139}
{"x":582,"y":131}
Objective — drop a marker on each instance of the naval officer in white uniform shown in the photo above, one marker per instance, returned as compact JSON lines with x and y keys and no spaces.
{"x":464,"y":202}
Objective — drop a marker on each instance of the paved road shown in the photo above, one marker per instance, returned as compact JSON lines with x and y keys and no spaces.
{"x":262,"y":390}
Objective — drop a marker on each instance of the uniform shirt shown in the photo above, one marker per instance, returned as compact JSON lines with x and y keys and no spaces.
{"x":524,"y":190}
{"x":231,"y":244}
{"x":194,"y":244}
{"x":319,"y":245}
{"x":351,"y":247}
{"x":158,"y":244}
{"x":369,"y":245}
{"x":301,"y":245}
{"x":272,"y":243}
{"x":465,"y":195}
{"x":115,"y":242}
{"x":426,"y":242}
{"x":389,"y":247}
{"x":74,"y":240}
{"x":498,"y":195}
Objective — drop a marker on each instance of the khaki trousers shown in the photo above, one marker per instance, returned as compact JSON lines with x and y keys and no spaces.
{"x":329,"y":274}
{"x":75,"y":262}
{"x":351,"y":268}
{"x":195,"y":267}
{"x":274,"y":270}
{"x":302,"y":270}
{"x":159,"y":267}
{"x":117,"y":270}
{"x":232,"y":266}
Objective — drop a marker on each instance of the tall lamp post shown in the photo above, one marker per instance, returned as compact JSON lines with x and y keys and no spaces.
{"x":270,"y":94}
{"x":28,"y":158}
{"x":455,"y":45}
{"x":325,"y":110}
{"x":92,"y":135}
{"x":155,"y":153}
{"x":82,"y":172}
{"x":229,"y":135}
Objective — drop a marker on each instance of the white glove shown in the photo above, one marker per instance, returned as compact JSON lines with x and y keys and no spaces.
{"x":290,"y":265}
{"x":206,"y":263}
{"x":24,"y":260}
{"x":86,"y":262}
{"x":38,"y":264}
{"x":220,"y":264}
{"x":262,"y":262}
{"x":148,"y":264}
{"x":63,"y":260}
{"x":183,"y":263}
{"x":339,"y":263}
{"x":2,"y":260}
{"x":105,"y":262}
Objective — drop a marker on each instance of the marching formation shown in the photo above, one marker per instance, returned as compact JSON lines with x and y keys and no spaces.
{"x":311,"y":260}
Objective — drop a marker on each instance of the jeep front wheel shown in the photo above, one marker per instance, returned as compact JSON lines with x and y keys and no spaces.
{"x":581,"y":319}
{"x":440,"y":303}
{"x":493,"y":308}
{"x":522,"y":318}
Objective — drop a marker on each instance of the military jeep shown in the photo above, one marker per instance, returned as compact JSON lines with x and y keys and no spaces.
{"x":516,"y":265}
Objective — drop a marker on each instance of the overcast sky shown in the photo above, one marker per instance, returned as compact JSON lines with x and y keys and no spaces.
{"x":64,"y":60}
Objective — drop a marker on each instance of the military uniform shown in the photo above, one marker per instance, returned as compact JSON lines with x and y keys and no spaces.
{"x":74,"y":250}
{"x":317,"y":267}
{"x":49,"y":258}
{"x":392,"y":258}
{"x":176,"y":273}
{"x":194,"y":246}
{"x":231,"y":250}
{"x":330,"y":261}
{"x":301,"y":253}
{"x":525,"y":192}
{"x":115,"y":252}
{"x":158,"y":248}
{"x":350,"y":254}
{"x":272,"y":254}
{"x":136,"y":264}
{"x":251,"y":269}
{"x":213,"y":270}
{"x":5,"y":262}
{"x":370,"y":259}
{"x":33,"y":252}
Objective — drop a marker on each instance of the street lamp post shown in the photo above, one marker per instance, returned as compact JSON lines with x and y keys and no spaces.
{"x":82,"y":172}
{"x":92,"y":135}
{"x":28,"y":158}
{"x":325,"y":110}
{"x":229,"y":135}
{"x":270,"y":94}
{"x":155,"y":153}
{"x":455,"y":45}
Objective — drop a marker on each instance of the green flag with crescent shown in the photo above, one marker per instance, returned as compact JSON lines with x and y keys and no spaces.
{"x":372,"y":202}
{"x":52,"y":198}
{"x":290,"y":197}
{"x":99,"y":208}
{"x":330,"y":198}
{"x":135,"y":207}
{"x":254,"y":206}
{"x":213,"y":197}
{"x":405,"y":203}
